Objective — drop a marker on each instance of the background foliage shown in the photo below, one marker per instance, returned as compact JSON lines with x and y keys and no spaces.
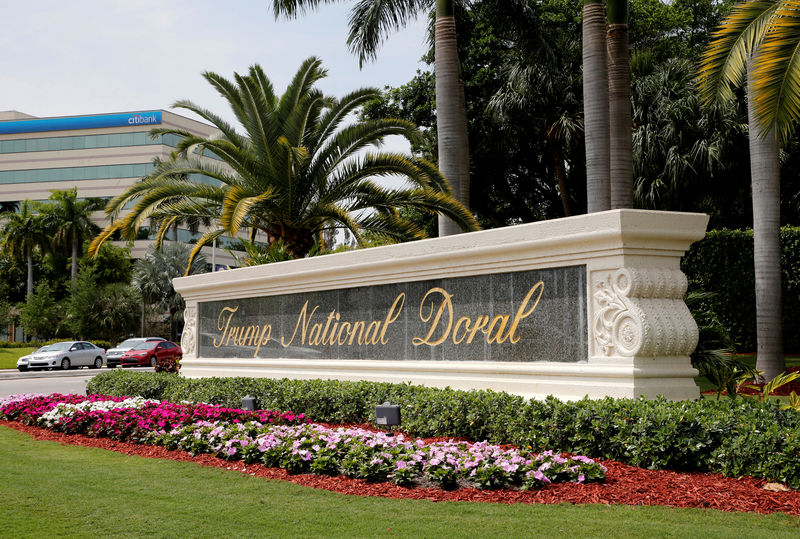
{"x":722,"y":263}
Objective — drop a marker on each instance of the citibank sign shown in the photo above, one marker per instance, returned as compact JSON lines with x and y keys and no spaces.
{"x":147,"y":118}
{"x":70,"y":123}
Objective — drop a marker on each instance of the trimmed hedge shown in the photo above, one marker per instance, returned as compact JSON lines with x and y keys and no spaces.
{"x":36,"y":344}
{"x":722,"y":263}
{"x":732,"y":437}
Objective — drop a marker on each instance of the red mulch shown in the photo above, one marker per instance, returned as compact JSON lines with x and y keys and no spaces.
{"x":624,"y":484}
{"x":755,"y":389}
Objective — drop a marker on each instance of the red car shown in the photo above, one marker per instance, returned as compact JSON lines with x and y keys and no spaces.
{"x":149,"y":353}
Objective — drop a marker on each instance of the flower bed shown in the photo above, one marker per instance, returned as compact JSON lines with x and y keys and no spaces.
{"x":289,"y":441}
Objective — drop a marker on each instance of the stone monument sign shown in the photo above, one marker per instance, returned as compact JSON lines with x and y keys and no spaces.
{"x":587,"y":305}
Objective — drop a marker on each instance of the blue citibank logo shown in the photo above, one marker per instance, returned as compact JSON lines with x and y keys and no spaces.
{"x":80,"y":122}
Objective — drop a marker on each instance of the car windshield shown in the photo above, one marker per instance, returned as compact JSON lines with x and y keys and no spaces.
{"x":59,"y":346}
{"x":146,"y":345}
{"x":42,"y":349}
{"x":129,"y":343}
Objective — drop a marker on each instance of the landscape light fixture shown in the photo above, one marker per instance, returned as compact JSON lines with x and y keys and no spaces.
{"x":249,"y":403}
{"x":387,"y":415}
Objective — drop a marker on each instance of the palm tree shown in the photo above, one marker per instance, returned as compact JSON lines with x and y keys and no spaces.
{"x":619,"y":93}
{"x":370,"y":22}
{"x":22,"y":234}
{"x":751,"y":44}
{"x":69,"y":220}
{"x":595,"y":107}
{"x":153,"y":274}
{"x":292,"y":174}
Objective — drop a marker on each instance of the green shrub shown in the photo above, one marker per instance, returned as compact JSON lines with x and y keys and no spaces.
{"x":722,"y":263}
{"x":733,"y":437}
{"x":36,"y":344}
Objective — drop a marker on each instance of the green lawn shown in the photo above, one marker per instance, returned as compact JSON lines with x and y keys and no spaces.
{"x":9,"y":356}
{"x":50,"y":490}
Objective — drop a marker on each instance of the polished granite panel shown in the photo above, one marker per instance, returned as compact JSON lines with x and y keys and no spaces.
{"x":537,"y":315}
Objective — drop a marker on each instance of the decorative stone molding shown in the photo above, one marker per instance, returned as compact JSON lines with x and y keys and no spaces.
{"x":189,"y":335}
{"x":638,"y":333}
{"x":640,"y":311}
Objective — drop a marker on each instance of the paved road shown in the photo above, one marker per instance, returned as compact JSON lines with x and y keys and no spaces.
{"x":46,"y":382}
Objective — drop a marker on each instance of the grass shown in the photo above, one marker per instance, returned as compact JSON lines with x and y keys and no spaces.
{"x":9,"y":356}
{"x":53,"y":490}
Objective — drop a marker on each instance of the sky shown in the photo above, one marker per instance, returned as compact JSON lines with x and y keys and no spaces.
{"x":96,"y":56}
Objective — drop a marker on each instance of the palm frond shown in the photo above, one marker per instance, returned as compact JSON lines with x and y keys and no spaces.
{"x":776,"y":76}
{"x":371,"y":21}
{"x":724,"y":62}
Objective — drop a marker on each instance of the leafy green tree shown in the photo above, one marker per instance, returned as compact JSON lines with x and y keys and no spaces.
{"x":23,"y":234}
{"x":294,"y":173}
{"x":370,"y":22}
{"x":69,"y":221}
{"x":152,"y":278}
{"x":111,"y":265}
{"x":42,"y":315}
{"x":687,"y":157}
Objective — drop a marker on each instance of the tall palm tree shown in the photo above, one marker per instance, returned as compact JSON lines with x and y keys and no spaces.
{"x":595,"y":107}
{"x":22,"y":234}
{"x":69,"y":220}
{"x":619,"y":94}
{"x":293,"y":173}
{"x":370,"y":22}
{"x":750,"y":45}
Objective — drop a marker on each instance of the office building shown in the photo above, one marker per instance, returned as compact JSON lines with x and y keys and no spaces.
{"x":100,"y":154}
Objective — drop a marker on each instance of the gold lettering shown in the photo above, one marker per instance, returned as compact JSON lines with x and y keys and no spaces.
{"x":327,"y":326}
{"x":224,"y":328}
{"x":232,"y":334}
{"x":447,"y":305}
{"x":522,"y":313}
{"x":401,"y":299}
{"x":302,"y":324}
{"x":465,"y":321}
{"x":314,"y":336}
{"x":264,"y":338}
{"x":480,"y":322}
{"x":339,"y":340}
{"x":498,"y":336}
{"x":373,"y":326}
{"x":359,"y":325}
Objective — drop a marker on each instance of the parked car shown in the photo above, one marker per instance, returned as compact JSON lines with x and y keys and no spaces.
{"x":149,"y":353}
{"x":64,"y":355}
{"x":114,"y":355}
{"x":22,"y":362}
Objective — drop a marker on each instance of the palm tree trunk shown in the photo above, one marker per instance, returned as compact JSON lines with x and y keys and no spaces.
{"x":451,"y":112}
{"x":29,"y":289}
{"x":595,"y":107}
{"x":74,"y":269}
{"x":619,"y":93}
{"x":765,"y":178}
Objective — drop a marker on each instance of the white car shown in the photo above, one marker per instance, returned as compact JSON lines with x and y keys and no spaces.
{"x":114,"y":355}
{"x":64,"y":355}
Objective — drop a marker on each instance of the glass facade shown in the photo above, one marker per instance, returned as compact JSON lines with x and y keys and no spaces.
{"x":75,"y":173}
{"x":83,"y":142}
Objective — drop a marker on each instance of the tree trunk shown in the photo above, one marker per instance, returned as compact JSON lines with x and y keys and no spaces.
{"x":451,"y":112}
{"x":619,"y":93}
{"x":74,"y":269}
{"x":765,"y":178}
{"x":29,"y":289}
{"x":595,"y":107}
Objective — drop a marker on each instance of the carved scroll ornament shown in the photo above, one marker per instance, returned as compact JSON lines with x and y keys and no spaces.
{"x":641,"y":312}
